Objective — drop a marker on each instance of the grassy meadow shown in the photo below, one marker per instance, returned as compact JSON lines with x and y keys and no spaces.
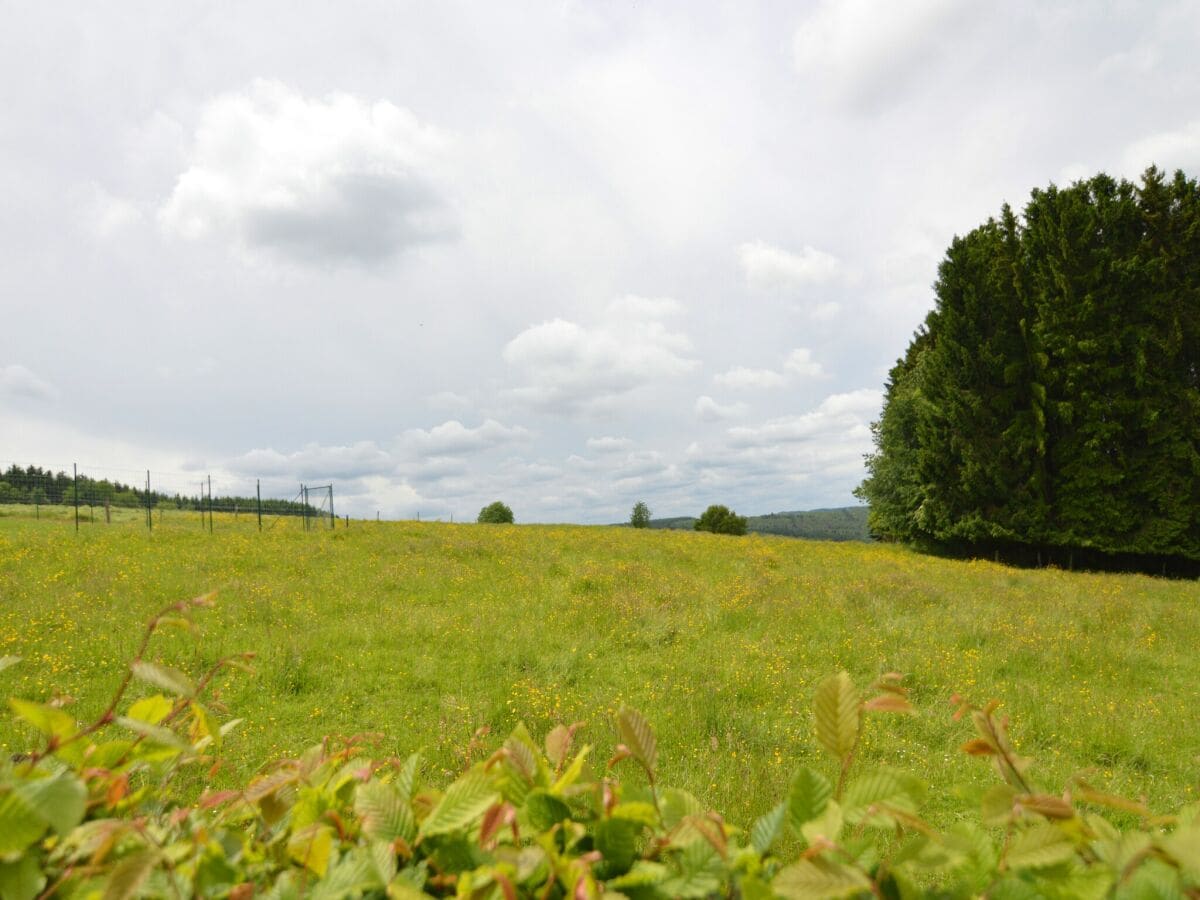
{"x":426,"y":631}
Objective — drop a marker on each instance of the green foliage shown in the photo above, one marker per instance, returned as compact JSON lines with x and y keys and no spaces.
{"x":1052,"y":397}
{"x":496,"y":514}
{"x":88,"y":813}
{"x":721,"y":520}
{"x":640,"y":517}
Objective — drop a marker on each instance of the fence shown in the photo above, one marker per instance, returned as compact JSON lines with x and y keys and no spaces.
{"x":94,"y":494}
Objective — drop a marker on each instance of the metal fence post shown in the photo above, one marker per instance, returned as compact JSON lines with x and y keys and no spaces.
{"x":75,"y":469}
{"x":258,"y":497}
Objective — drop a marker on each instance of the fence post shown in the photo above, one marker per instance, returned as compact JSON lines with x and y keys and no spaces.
{"x":75,"y":468}
{"x":149,"y":509}
{"x":258,"y":497}
{"x":210,"y":521}
{"x":332,"y":517}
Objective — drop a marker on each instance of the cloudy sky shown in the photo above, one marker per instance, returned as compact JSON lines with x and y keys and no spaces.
{"x":568,"y":254}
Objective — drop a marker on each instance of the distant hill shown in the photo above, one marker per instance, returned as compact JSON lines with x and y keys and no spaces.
{"x":846,"y":523}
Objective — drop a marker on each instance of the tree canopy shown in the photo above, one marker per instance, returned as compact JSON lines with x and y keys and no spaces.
{"x":721,"y":520}
{"x":1052,"y":397}
{"x":496,"y":513}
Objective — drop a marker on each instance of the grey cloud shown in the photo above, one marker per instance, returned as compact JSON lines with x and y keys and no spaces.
{"x":608,"y":444}
{"x":865,"y":53}
{"x":709,"y":410}
{"x":435,"y":469}
{"x":19,"y":383}
{"x":316,"y":461}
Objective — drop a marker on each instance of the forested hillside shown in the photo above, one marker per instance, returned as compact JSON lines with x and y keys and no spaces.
{"x":842,"y":524}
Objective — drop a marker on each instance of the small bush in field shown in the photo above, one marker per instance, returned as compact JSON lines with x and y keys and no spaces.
{"x":496,"y":514}
{"x":95,"y":810}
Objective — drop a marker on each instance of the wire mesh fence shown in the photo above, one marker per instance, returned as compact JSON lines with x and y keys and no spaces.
{"x":89,"y":495}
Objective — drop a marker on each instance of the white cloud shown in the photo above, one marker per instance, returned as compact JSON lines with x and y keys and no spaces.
{"x":798,"y":364}
{"x":326,"y":180}
{"x":801,"y":364}
{"x":768,"y":266}
{"x":571,"y":368}
{"x":608,"y":444}
{"x":743,"y":378}
{"x":19,"y":383}
{"x":452,"y":437}
{"x":848,"y":414}
{"x":1169,"y":150}
{"x":817,"y":454}
{"x":709,"y":410}
{"x":316,"y":461}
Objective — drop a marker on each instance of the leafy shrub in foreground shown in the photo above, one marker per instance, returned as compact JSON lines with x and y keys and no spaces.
{"x":496,"y":514}
{"x":95,"y":811}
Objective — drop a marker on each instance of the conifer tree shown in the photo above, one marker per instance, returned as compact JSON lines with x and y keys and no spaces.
{"x":1052,"y":398}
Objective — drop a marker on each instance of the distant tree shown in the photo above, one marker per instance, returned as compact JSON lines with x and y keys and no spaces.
{"x":496,"y":514}
{"x":721,"y":520}
{"x":640,"y":517}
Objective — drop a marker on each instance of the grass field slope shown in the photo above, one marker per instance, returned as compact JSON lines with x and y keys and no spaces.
{"x":426,"y":632}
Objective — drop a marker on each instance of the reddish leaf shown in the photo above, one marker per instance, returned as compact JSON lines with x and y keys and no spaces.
{"x":978,"y":747}
{"x":888,"y":703}
{"x":208,"y":801}
{"x":1047,"y":805}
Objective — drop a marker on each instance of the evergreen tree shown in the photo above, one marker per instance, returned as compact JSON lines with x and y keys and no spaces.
{"x":1051,"y":398}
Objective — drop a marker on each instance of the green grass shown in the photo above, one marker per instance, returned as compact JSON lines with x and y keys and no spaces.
{"x":426,"y":632}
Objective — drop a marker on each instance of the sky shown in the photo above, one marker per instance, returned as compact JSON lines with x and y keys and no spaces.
{"x":569,"y":255}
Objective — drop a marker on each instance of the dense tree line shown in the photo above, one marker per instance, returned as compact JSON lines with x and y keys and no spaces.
{"x":1051,"y":399}
{"x":37,"y":486}
{"x":843,"y":524}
